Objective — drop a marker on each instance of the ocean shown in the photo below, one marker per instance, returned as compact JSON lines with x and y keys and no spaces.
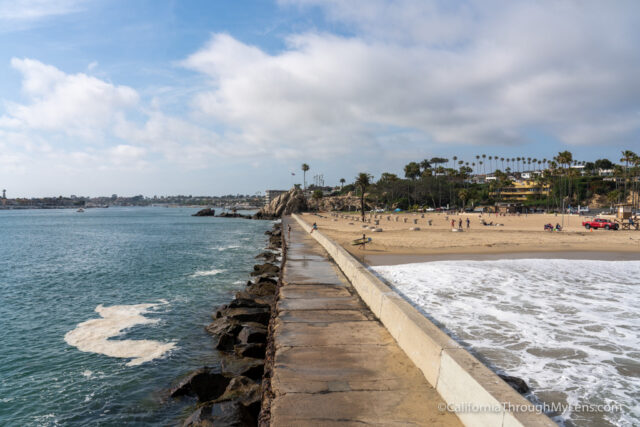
{"x":570,"y":328}
{"x":101,"y":311}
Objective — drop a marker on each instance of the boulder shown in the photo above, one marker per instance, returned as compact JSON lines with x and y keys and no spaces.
{"x":252,"y":333}
{"x":203,"y":384}
{"x":222,"y":414}
{"x":265,"y":269}
{"x":242,"y":389}
{"x":205,"y":212}
{"x":293,"y":201}
{"x":268,"y":256}
{"x":224,"y":325}
{"x":518,"y":384}
{"x":263,"y":287}
{"x":247,"y":367}
{"x":256,"y":350}
{"x":248,"y":314}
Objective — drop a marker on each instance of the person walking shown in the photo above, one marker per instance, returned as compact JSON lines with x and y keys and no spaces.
{"x":468,"y":223}
{"x":453,"y":223}
{"x":460,"y":224}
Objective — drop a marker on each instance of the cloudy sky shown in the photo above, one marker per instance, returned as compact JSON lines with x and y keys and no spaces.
{"x":217,"y":97}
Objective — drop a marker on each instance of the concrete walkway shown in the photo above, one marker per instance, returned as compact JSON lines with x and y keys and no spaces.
{"x":334,"y":363}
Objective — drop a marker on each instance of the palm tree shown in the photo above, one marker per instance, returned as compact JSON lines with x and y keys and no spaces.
{"x":342,"y":181}
{"x":363,"y":180}
{"x":305,"y":168}
{"x":484,"y":156}
{"x":502,"y":160}
{"x":627,"y":157}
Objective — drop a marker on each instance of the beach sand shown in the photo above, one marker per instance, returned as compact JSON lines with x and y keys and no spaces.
{"x":522,"y":234}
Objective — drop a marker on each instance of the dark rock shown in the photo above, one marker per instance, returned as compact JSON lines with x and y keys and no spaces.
{"x":202,"y":383}
{"x":222,"y":414}
{"x":265,"y":300}
{"x":205,"y":212}
{"x":224,"y":325}
{"x":253,"y":333}
{"x":256,"y":350}
{"x":247,"y":314}
{"x":265,"y":269}
{"x":263,"y":287}
{"x":246,"y":366}
{"x":246,"y":302}
{"x":242,"y":389}
{"x":233,"y":215}
{"x":518,"y":384}
{"x":268,"y":256}
{"x":226,"y":342}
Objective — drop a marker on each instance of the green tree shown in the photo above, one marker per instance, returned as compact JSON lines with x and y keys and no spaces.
{"x":305,"y":168}
{"x":363,"y":180}
{"x":342,"y":181}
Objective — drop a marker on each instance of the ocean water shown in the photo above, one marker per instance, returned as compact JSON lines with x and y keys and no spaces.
{"x":569,"y":328}
{"x":101,"y":311}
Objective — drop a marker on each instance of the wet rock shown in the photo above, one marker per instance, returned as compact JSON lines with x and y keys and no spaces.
{"x":252,"y":333}
{"x":247,"y":367}
{"x":265,"y":269}
{"x":518,"y":384}
{"x":256,"y":350}
{"x":203,"y":384}
{"x":265,"y":300}
{"x":227,"y":414}
{"x":268,"y":256}
{"x":205,"y":212}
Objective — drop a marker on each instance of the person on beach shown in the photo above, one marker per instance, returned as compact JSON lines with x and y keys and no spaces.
{"x":460,"y":224}
{"x":453,"y":223}
{"x":313,"y":227}
{"x":289,"y":232}
{"x":468,"y":223}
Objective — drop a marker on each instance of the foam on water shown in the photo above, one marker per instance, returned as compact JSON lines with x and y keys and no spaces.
{"x":570,"y":328}
{"x":212,"y":272}
{"x":94,"y":335}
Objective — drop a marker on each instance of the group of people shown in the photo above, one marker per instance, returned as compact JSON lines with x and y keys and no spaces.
{"x":550,"y":227}
{"x":453,"y":223}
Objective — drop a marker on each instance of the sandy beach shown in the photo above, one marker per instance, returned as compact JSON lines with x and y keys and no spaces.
{"x":516,"y":234}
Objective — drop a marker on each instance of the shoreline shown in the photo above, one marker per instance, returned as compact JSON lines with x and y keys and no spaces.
{"x":397,"y":258}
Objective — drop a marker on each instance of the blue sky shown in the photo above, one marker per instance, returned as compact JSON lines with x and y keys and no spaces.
{"x":217,"y":97}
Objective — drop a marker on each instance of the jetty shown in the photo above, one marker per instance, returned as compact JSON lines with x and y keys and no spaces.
{"x":335,"y":363}
{"x":348,"y":350}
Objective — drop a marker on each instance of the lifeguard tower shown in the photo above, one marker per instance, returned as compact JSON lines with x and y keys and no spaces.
{"x":626,"y":218}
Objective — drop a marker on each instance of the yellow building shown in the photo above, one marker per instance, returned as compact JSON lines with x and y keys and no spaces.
{"x":521,"y":190}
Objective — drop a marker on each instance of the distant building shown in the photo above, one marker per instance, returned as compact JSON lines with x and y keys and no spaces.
{"x":521,"y":190}
{"x":605,"y":172}
{"x":272,"y":194}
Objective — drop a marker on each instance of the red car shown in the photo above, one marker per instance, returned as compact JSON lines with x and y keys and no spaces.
{"x":601,"y":223}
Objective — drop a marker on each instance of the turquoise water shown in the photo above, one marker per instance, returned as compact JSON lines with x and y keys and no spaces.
{"x":58,"y":266}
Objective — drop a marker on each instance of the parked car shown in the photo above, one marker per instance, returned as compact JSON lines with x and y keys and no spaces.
{"x":601,"y":223}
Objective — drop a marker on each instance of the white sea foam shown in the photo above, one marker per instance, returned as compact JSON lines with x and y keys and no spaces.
{"x":213,"y":272}
{"x":570,"y":328}
{"x":93,"y":335}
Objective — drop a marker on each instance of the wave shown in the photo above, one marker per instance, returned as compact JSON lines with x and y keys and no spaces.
{"x":213,"y":272}
{"x":93,"y":335}
{"x":565,"y":326}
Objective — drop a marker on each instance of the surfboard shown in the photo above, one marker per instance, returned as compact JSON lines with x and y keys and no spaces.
{"x":361,"y":241}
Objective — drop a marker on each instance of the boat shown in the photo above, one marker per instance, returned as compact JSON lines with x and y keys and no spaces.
{"x":80,"y":210}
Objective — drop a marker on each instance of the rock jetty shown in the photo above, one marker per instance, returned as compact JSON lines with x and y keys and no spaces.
{"x":205,"y":212}
{"x":231,"y":395}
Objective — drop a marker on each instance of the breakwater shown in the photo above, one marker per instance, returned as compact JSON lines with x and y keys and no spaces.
{"x":232,"y":393}
{"x":461,"y":380}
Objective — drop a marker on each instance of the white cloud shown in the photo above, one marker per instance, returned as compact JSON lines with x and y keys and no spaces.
{"x":74,"y":104}
{"x":468,"y":73}
{"x":29,"y":10}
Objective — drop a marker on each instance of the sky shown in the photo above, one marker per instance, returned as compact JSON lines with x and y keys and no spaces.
{"x":160,"y":97}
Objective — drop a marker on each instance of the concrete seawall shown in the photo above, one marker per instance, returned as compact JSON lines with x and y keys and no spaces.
{"x":479,"y":395}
